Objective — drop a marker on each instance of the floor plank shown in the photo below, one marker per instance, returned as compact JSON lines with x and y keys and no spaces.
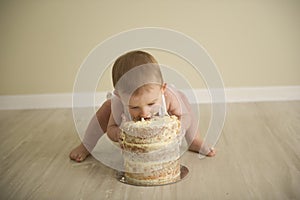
{"x":258,"y":157}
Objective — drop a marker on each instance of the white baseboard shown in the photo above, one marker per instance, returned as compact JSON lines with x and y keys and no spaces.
{"x":233,"y":95}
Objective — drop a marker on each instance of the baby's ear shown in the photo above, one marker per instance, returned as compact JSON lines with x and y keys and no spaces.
{"x":163,"y":87}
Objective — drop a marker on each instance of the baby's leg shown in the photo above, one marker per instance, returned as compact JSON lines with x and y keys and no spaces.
{"x":196,"y":143}
{"x":192,"y":133}
{"x":96,"y":128}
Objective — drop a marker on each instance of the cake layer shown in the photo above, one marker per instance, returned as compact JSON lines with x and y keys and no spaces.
{"x":163,"y":155}
{"x":148,"y":148}
{"x":140,"y":167}
{"x":150,"y":135}
{"x":165,"y":135}
{"x":167,"y":173}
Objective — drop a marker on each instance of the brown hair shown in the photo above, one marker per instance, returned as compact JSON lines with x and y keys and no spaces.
{"x":134,"y":59}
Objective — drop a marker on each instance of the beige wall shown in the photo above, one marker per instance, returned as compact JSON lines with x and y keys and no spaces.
{"x":43,"y":43}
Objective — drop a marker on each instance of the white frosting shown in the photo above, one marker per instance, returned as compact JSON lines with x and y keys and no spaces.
{"x":151,"y":127}
{"x":151,"y":148}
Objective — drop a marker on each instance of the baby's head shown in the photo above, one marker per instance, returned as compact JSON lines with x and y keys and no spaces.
{"x":138,"y":81}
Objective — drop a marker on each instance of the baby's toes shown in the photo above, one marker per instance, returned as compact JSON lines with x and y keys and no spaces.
{"x":212,"y":152}
{"x":73,"y":156}
{"x":78,"y":158}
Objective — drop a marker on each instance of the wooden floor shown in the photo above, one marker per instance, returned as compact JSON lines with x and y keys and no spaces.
{"x":258,"y":157}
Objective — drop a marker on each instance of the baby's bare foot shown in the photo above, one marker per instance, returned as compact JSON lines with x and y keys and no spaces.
{"x":79,"y":153}
{"x":209,"y":152}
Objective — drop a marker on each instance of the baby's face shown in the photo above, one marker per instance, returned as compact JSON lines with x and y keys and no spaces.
{"x":146,"y":102}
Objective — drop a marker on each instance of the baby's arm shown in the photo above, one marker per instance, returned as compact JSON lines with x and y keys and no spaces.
{"x":179,"y":105}
{"x":115,"y":119}
{"x":113,"y":130}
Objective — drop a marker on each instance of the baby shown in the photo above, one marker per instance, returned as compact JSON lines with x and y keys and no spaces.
{"x":139,"y":93}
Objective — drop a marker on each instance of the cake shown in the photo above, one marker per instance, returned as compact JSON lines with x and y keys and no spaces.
{"x":151,"y":150}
